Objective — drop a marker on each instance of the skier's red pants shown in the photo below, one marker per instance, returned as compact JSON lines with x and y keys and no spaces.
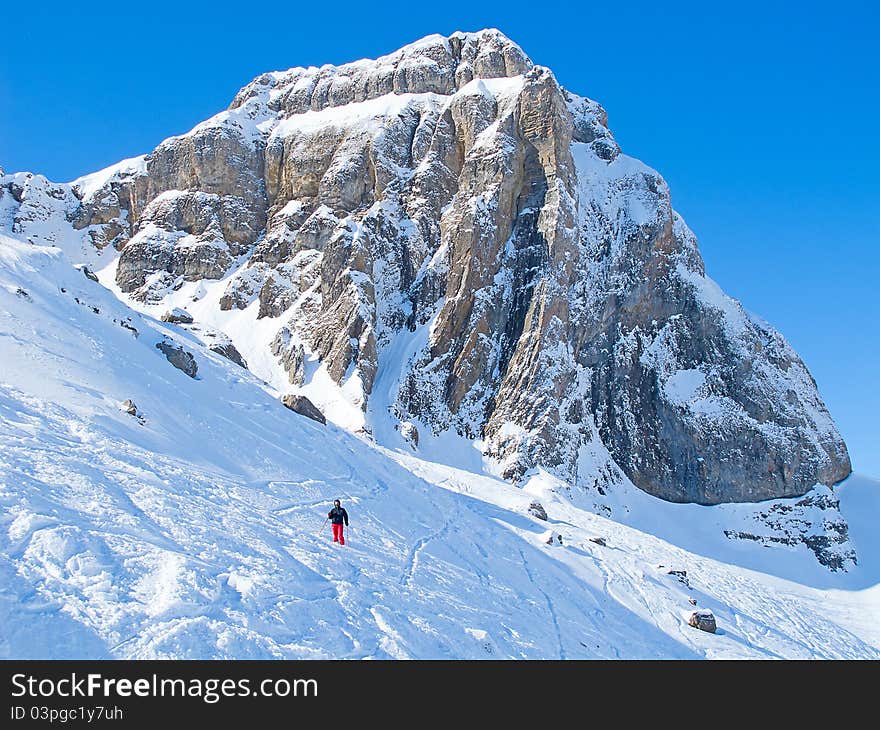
{"x":337,"y":534}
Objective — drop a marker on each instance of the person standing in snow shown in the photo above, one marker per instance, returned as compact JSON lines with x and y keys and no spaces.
{"x":337,"y":516}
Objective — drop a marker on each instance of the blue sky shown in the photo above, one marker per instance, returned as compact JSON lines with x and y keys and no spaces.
{"x":762,"y":116}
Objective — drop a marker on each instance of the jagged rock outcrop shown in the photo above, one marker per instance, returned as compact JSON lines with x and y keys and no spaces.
{"x":450,"y":215}
{"x":291,"y":353}
{"x":813,"y":521}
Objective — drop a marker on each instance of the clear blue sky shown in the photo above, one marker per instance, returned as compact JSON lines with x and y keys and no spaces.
{"x":764,"y":118}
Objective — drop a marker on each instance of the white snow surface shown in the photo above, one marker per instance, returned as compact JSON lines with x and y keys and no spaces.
{"x":196,"y":530}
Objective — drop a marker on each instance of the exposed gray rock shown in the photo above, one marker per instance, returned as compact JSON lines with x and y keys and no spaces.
{"x":292,"y":355}
{"x":89,"y":274}
{"x":126,"y":324}
{"x":536,"y":509}
{"x":682,"y":576}
{"x":703,"y":619}
{"x":276,"y":296}
{"x":129,"y":407}
{"x":600,"y":541}
{"x":302,"y":405}
{"x":179,"y":358}
{"x":814,"y":521}
{"x":228,"y":350}
{"x":177,"y":316}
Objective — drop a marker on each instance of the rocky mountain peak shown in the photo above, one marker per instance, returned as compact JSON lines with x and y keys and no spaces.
{"x":444,"y":239}
{"x":433,"y":65}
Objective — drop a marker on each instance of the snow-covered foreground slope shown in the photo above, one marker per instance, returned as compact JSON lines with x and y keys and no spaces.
{"x":196,"y":531}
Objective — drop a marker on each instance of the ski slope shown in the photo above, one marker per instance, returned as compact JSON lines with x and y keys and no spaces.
{"x":196,"y":530}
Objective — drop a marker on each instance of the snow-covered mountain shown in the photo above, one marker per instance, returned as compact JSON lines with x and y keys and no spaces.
{"x":519,"y":354}
{"x":458,"y":245}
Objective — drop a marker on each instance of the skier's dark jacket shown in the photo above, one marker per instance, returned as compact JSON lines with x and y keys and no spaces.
{"x":337,"y":515}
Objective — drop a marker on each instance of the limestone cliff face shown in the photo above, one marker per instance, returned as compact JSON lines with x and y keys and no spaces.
{"x":447,"y":219}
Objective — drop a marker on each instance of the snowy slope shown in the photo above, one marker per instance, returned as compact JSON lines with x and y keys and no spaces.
{"x":197,"y":531}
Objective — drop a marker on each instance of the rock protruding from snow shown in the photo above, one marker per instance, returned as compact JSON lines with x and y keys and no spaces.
{"x":129,"y":407}
{"x":814,"y":521}
{"x":703,"y":619}
{"x":177,"y":316}
{"x":178,"y":357}
{"x":302,"y":405}
{"x":410,"y":433}
{"x":229,"y":351}
{"x":89,"y":274}
{"x":292,"y":355}
{"x":536,"y":509}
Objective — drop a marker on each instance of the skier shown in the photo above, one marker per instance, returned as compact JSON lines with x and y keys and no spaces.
{"x":337,"y":516}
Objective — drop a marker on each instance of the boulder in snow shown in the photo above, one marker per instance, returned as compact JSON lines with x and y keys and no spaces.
{"x":410,"y":433}
{"x":536,"y":509}
{"x":129,"y":407}
{"x":178,"y":357}
{"x":551,"y":537}
{"x":703,"y":619}
{"x":89,"y":274}
{"x":229,"y":351}
{"x":302,"y":405}
{"x":599,"y":541}
{"x":177,"y":316}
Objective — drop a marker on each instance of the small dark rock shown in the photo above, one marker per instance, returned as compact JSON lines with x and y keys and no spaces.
{"x":179,"y":358}
{"x":129,"y":407}
{"x":302,"y":405}
{"x":23,"y":294}
{"x":598,"y":541}
{"x":229,"y":351}
{"x":703,"y":619}
{"x":537,"y":510}
{"x":177,"y":316}
{"x":131,"y":328}
{"x":89,"y":274}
